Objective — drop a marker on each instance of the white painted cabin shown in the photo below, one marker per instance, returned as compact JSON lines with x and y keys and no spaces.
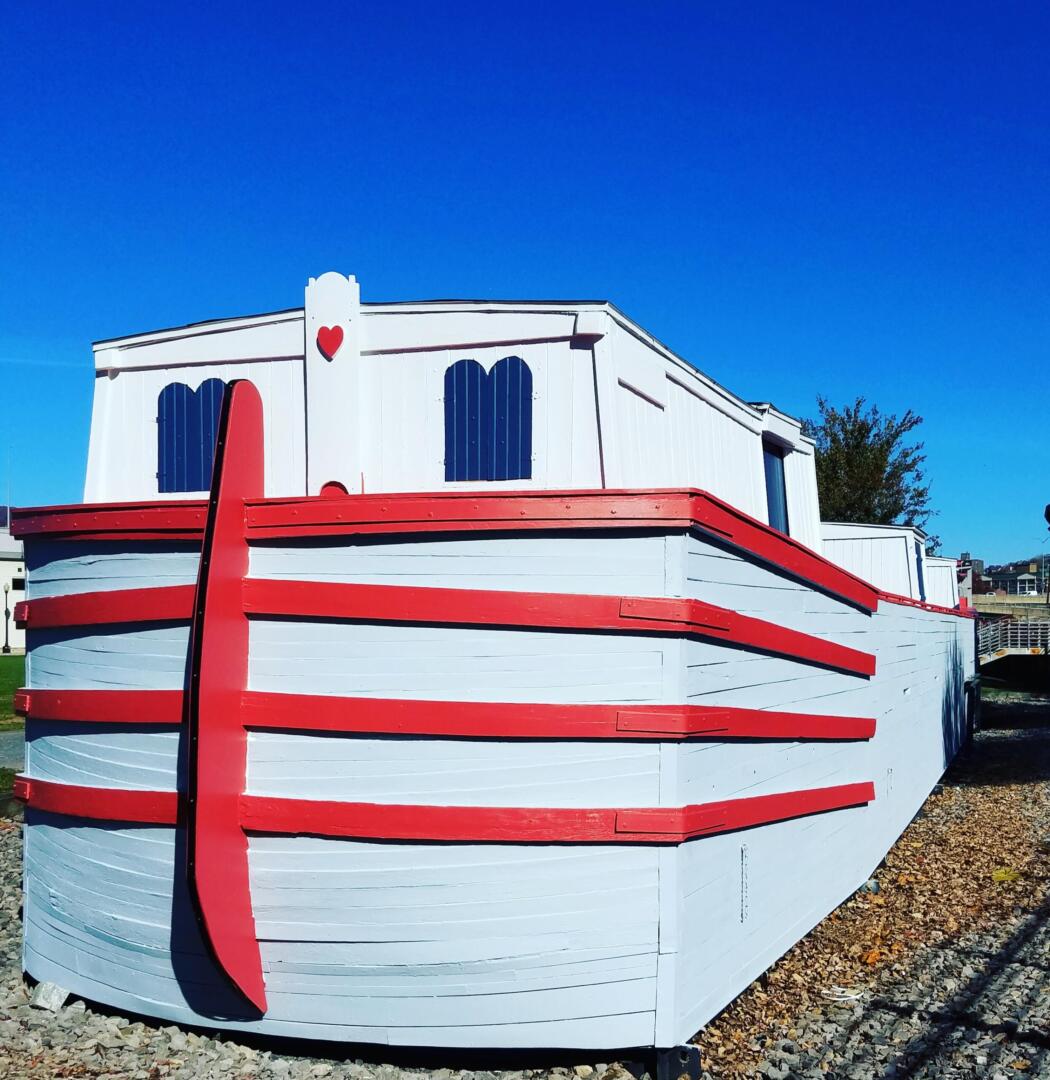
{"x":455,"y":715}
{"x":610,"y":407}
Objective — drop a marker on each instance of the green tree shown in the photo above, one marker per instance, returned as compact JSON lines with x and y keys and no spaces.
{"x":867,"y":469}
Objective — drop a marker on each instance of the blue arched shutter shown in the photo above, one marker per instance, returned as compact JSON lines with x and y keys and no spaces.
{"x":510,"y":385}
{"x":187,"y":426}
{"x":465,"y":382}
{"x":488,"y":421}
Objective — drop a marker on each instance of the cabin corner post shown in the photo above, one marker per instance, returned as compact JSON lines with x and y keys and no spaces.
{"x":332,"y":327}
{"x":217,"y":847}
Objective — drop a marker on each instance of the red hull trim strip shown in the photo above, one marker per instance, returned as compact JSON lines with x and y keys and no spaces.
{"x":102,"y":804}
{"x":452,"y":719}
{"x":473,"y":607}
{"x":131,"y":707}
{"x":520,"y":825}
{"x":455,"y":824}
{"x":168,"y":603}
{"x":506,"y":720}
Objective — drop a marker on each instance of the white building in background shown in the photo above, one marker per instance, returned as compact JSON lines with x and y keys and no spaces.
{"x":13,"y":583}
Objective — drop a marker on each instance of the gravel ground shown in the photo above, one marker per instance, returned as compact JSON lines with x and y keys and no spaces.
{"x":976,"y":1004}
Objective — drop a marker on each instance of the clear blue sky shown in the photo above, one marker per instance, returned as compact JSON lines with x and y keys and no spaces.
{"x":809,"y":198}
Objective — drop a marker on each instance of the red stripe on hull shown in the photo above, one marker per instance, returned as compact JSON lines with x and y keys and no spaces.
{"x":168,"y":603}
{"x":456,"y":824}
{"x":527,"y":825}
{"x":103,"y":804}
{"x":472,"y":607}
{"x":102,"y":706}
{"x":506,"y":720}
{"x":453,"y":719}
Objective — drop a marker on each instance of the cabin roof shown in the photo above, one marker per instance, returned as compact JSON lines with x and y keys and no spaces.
{"x":367,"y":308}
{"x":868,"y":525}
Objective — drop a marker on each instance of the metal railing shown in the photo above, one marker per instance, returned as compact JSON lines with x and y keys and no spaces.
{"x":1013,"y":636}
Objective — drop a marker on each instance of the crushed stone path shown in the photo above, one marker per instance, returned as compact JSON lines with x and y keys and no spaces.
{"x":965,"y":995}
{"x":976,"y":1005}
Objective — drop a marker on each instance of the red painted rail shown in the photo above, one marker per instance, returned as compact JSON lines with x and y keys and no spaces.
{"x":452,"y":719}
{"x":101,"y":706}
{"x":181,"y":520}
{"x":167,"y":603}
{"x":473,"y":607}
{"x":512,"y":720}
{"x":454,"y":824}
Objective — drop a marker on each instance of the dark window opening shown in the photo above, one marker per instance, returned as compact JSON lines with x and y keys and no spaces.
{"x":187,"y":425}
{"x":488,"y":421}
{"x":776,"y":488}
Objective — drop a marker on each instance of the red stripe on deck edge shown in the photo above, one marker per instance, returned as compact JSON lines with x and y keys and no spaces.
{"x":511,"y":720}
{"x":182,"y":520}
{"x":907,"y":601}
{"x":167,"y":603}
{"x":513,"y":511}
{"x":472,"y":607}
{"x":524,"y":511}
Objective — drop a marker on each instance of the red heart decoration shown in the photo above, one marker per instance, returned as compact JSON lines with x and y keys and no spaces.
{"x":329,"y":341}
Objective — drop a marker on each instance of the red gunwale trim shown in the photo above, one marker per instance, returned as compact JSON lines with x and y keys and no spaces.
{"x":506,"y":720}
{"x":530,"y":510}
{"x":455,"y":824}
{"x":332,"y":515}
{"x":131,"y":707}
{"x":472,"y":607}
{"x":102,"y":804}
{"x":907,"y":601}
{"x":453,"y":719}
{"x":167,"y":603}
{"x":176,"y":520}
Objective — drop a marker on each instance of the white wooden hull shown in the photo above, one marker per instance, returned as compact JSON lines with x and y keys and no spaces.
{"x":480,"y":944}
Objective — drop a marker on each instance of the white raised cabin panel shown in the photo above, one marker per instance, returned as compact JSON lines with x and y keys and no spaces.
{"x":122,"y":461}
{"x":884,"y":555}
{"x":942,"y":580}
{"x":611,"y":407}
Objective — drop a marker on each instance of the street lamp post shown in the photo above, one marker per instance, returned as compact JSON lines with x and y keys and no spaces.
{"x":7,"y":617}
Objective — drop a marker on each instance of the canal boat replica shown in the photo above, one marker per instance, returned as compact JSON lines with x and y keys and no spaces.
{"x":491,"y":690}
